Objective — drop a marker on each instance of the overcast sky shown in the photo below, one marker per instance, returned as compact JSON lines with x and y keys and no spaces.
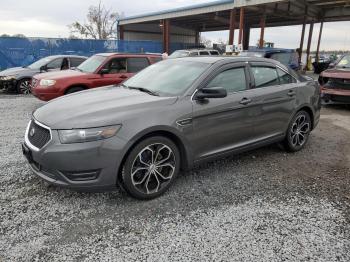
{"x":47,"y":18}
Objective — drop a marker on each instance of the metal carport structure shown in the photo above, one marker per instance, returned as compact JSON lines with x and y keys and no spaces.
{"x":185,"y":24}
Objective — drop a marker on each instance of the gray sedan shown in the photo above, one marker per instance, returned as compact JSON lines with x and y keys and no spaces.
{"x":168,"y":117}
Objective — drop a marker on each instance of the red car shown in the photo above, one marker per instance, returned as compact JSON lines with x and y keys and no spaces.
{"x":99,"y":70}
{"x":335,"y":82}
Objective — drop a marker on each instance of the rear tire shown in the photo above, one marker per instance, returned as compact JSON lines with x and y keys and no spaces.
{"x":74,"y":90}
{"x":150,"y":168}
{"x":24,"y":86}
{"x":298,"y":132}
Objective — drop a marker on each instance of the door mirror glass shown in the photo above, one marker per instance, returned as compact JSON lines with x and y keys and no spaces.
{"x":43,"y":68}
{"x":212,"y":92}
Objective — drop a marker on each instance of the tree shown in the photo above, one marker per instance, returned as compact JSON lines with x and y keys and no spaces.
{"x":5,"y":35}
{"x":101,"y":24}
{"x":206,"y":42}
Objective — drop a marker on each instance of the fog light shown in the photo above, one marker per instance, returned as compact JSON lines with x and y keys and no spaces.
{"x":82,"y":175}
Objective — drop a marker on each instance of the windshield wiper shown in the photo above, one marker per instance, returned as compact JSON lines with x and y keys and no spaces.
{"x":142,"y":89}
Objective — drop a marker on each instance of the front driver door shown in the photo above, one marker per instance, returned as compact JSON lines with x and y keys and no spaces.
{"x":115,"y":73}
{"x":222,"y":124}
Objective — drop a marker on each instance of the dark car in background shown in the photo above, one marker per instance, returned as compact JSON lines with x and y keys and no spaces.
{"x":287,"y":57}
{"x":335,"y":82}
{"x":18,"y":79}
{"x":170,"y":116}
{"x":99,"y":70}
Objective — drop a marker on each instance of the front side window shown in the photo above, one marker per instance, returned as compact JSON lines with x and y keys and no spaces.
{"x":168,"y":78}
{"x":233,"y":80}
{"x":265,"y":76}
{"x":116,"y":66}
{"x":136,"y":64}
{"x":344,"y":62}
{"x":214,"y":53}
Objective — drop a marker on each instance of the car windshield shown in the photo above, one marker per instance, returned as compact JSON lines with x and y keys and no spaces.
{"x":42,"y":62}
{"x":344,"y":62}
{"x":283,"y":58}
{"x":90,"y":65}
{"x":168,"y":78}
{"x":179,"y":53}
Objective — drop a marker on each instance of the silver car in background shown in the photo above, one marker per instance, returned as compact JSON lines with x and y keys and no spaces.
{"x":168,"y":117}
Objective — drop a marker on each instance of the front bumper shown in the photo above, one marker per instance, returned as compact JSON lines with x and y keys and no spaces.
{"x":8,"y":85}
{"x":46,"y":93}
{"x":82,"y":166}
{"x":335,"y":96}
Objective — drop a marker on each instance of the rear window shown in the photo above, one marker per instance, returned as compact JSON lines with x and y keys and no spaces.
{"x":214,"y":52}
{"x":136,"y":64}
{"x":75,"y":62}
{"x":283,"y":58}
{"x":203,"y":53}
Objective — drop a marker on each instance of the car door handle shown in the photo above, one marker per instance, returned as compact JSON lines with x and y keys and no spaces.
{"x":123,"y":77}
{"x":292,"y":93}
{"x":245,"y":101}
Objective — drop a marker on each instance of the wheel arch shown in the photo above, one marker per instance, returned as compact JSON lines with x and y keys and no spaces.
{"x":185,"y":154}
{"x":75,"y":85}
{"x":309,"y":110}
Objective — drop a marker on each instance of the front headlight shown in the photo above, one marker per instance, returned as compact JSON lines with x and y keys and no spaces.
{"x":46,"y":82}
{"x":87,"y":135}
{"x":7,"y":78}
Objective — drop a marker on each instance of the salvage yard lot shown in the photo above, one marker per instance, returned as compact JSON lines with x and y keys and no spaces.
{"x":264,"y":205}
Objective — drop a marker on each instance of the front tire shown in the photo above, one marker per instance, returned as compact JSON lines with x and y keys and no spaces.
{"x":150,"y":168}
{"x":298,"y":132}
{"x":24,"y":86}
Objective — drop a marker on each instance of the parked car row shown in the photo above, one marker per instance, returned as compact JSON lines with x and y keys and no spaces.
{"x":18,"y":79}
{"x":170,"y":116}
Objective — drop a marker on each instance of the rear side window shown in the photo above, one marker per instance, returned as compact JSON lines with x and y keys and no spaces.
{"x":55,"y":64}
{"x":136,"y":64}
{"x":214,"y":53}
{"x":265,"y":76}
{"x":74,"y":62}
{"x":284,"y":77}
{"x":203,"y":53}
{"x":233,"y":80}
{"x":194,"y":54}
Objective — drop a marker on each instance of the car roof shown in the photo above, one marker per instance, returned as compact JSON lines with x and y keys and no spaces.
{"x":128,"y":54}
{"x":70,"y":56}
{"x":217,"y":59}
{"x":197,"y":50}
{"x":270,"y":50}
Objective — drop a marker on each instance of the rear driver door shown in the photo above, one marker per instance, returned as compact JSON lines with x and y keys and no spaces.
{"x":275,"y":96}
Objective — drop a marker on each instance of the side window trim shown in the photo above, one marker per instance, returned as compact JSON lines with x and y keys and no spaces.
{"x":224,"y":68}
{"x":278,"y":67}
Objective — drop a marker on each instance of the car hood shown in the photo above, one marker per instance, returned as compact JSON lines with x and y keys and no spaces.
{"x":57,"y":75}
{"x":98,"y":107}
{"x":18,"y":71}
{"x":337,"y":73}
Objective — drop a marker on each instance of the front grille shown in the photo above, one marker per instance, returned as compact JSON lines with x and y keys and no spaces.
{"x":38,"y":136}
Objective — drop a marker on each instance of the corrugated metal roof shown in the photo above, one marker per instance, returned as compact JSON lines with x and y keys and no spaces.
{"x":186,"y":8}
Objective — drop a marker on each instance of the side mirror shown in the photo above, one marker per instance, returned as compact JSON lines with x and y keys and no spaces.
{"x":43,"y":68}
{"x":212,"y":92}
{"x":104,"y":71}
{"x":331,"y":65}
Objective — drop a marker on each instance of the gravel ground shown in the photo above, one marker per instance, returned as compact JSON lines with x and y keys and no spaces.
{"x":265,"y":205}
